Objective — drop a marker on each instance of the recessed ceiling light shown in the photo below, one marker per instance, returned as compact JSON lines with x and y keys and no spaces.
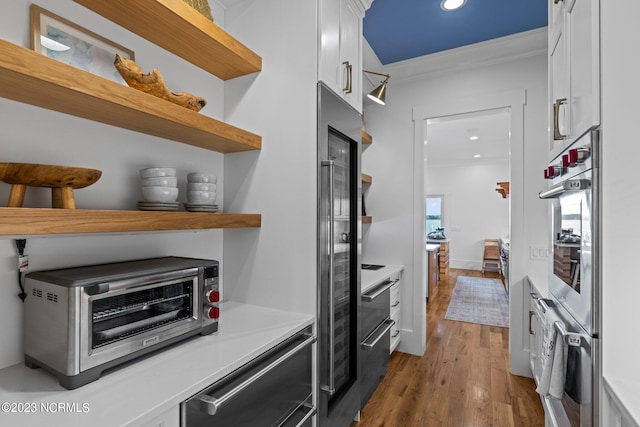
{"x":473,"y":137}
{"x":476,"y":156}
{"x":449,"y":5}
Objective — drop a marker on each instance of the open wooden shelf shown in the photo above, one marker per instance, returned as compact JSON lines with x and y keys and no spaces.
{"x":366,"y":138}
{"x":182,"y":30}
{"x":34,"y":79}
{"x":368,"y":219}
{"x":367,"y":179}
{"x":34,"y":221}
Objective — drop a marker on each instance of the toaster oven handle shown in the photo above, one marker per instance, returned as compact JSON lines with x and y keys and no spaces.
{"x":568,"y":185}
{"x":211,"y":405}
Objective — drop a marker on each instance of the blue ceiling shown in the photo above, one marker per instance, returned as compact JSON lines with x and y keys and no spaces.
{"x":398,"y":30}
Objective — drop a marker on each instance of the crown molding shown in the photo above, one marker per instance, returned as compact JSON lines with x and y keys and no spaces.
{"x":503,"y":49}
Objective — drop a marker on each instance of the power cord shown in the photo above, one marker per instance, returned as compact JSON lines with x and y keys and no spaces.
{"x":23,"y":263}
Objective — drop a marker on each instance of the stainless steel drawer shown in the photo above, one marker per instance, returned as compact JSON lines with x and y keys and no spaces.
{"x":272,"y":390}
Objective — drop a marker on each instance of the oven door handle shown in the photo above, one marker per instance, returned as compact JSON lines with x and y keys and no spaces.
{"x":211,"y":405}
{"x":387,"y":324}
{"x":568,"y":185}
{"x":379,"y":290}
{"x":571,"y":338}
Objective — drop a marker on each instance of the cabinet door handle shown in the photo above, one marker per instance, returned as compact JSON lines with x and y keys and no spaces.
{"x":556,"y":119}
{"x":348,"y":86}
{"x":531,"y":331}
{"x":557,"y":1}
{"x":397,"y":303}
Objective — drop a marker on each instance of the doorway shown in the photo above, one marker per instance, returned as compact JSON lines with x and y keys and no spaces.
{"x":466,"y":155}
{"x":514,"y":101}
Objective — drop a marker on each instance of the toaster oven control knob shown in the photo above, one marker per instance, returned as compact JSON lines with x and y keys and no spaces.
{"x":566,"y":163}
{"x":212,"y":296}
{"x":212,"y":313}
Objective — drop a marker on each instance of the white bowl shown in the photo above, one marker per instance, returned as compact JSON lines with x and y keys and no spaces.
{"x":201,"y":197}
{"x":159,"y":194}
{"x":153,"y":172}
{"x":201,"y":186}
{"x":160,"y":181}
{"x":201,"y":177}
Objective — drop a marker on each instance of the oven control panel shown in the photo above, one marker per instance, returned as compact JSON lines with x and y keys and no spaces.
{"x":211,"y":295}
{"x":573,"y":161}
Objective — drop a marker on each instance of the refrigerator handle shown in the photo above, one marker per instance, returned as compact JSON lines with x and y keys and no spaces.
{"x":331,"y":387}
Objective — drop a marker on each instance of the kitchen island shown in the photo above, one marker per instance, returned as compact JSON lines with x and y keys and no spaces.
{"x":147,"y":391}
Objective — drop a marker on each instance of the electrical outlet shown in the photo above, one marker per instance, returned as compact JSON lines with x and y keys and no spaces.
{"x":538,"y":253}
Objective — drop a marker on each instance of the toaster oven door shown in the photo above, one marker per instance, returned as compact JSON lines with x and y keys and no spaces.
{"x":136,"y":315}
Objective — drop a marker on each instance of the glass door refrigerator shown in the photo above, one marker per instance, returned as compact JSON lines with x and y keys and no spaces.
{"x":339,"y":225}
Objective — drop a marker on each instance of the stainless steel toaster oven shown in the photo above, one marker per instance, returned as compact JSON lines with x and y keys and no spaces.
{"x":81,"y":321}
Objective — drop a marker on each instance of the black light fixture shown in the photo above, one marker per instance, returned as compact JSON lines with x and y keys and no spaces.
{"x":380,"y":93}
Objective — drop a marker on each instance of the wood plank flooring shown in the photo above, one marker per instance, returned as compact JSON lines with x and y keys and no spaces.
{"x":462,"y":380}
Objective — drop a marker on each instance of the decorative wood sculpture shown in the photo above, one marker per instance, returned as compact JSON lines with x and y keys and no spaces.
{"x":61,"y":179}
{"x":153,"y":84}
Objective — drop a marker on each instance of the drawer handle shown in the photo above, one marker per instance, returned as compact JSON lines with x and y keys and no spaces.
{"x":396,"y":334}
{"x":557,"y":1}
{"x":386,"y":325}
{"x":397,"y":303}
{"x":375,"y":293}
{"x":311,"y":413}
{"x":211,"y":405}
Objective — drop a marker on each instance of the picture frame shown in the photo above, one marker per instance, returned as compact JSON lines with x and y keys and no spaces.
{"x":64,"y":41}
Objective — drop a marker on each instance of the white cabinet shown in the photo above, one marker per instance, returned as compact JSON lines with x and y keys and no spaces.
{"x":394,"y":312}
{"x":574,"y":76}
{"x":340,"y":61}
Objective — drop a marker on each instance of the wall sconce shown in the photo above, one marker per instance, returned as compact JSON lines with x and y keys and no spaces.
{"x":379,"y":94}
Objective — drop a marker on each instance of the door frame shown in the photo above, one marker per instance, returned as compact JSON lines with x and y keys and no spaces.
{"x":515,"y":101}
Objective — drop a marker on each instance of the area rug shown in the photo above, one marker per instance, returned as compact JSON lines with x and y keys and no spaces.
{"x":479,"y":300}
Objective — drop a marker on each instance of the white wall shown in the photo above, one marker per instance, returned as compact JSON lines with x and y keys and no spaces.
{"x":389,"y":160}
{"x":276,"y":266}
{"x":620,"y":234}
{"x":473,"y":210}
{"x":36,"y":135}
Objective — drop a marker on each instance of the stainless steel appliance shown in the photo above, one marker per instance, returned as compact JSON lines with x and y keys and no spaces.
{"x":339,"y":224}
{"x":275,"y":389}
{"x":376,"y":340}
{"x":81,"y":321}
{"x":575,"y":275}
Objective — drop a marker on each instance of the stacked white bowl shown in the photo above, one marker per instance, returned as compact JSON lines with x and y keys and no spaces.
{"x":201,"y":189}
{"x":159,"y":186}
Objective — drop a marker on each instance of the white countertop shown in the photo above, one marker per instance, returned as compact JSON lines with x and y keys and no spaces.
{"x":139,"y":392}
{"x":430,"y":247}
{"x":370,"y":278}
{"x":627,"y":392}
{"x":437,"y":241}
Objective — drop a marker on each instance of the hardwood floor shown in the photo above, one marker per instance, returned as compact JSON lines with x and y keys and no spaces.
{"x":462,"y":380}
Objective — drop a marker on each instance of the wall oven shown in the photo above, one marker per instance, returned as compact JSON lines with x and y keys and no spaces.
{"x":574,"y":279}
{"x":81,"y":321}
{"x":574,"y":194}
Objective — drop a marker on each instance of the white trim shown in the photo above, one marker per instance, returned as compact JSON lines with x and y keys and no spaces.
{"x":491,"y":52}
{"x":514,"y":100}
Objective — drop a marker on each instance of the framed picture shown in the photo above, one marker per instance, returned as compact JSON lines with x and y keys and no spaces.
{"x":67,"y":42}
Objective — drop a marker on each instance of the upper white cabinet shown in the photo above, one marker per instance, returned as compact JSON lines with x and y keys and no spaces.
{"x":340,"y":62}
{"x":574,"y":76}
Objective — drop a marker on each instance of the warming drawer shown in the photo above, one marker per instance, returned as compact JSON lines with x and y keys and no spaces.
{"x":274,"y":389}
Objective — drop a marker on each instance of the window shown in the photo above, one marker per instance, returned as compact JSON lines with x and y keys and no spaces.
{"x":434,"y":214}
